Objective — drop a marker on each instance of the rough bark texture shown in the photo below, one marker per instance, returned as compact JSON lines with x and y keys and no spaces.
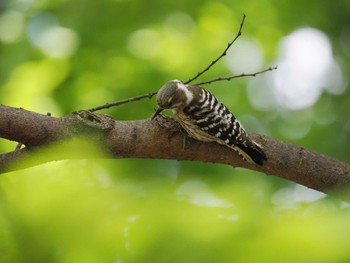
{"x":148,"y":139}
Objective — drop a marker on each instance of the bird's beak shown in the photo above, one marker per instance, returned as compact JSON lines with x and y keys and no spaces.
{"x":158,"y":111}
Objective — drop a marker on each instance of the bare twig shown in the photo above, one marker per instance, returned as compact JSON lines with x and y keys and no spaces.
{"x":222,"y":54}
{"x":236,"y":76}
{"x":117,"y":103}
{"x":18,"y":146}
{"x":151,"y":94}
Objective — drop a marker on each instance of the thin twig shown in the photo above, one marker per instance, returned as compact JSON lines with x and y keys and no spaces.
{"x":151,"y":94}
{"x":108,"y":105}
{"x":236,"y":76}
{"x":222,"y":54}
{"x":18,"y":146}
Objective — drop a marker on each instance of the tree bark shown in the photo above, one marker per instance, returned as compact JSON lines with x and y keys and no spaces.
{"x":149,"y":139}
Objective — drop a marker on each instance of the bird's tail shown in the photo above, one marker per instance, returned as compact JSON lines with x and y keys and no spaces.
{"x":252,"y":152}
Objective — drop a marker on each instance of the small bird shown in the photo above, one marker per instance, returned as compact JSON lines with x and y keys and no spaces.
{"x":206,"y":119}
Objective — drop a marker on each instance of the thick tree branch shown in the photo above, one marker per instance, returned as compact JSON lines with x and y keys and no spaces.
{"x":148,"y":139}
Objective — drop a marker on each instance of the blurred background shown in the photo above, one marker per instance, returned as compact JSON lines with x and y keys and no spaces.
{"x":58,"y":56}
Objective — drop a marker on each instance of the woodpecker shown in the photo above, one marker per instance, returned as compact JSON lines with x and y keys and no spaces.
{"x":206,"y":119}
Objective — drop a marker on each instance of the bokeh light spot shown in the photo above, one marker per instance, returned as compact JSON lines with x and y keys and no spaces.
{"x":11,"y":26}
{"x":305,"y":62}
{"x":246,"y":56}
{"x":53,"y":40}
{"x":145,"y":43}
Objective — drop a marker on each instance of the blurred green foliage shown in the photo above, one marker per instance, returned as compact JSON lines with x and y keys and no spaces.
{"x":58,"y":56}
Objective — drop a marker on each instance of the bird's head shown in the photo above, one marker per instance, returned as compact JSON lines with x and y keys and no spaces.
{"x":173,"y":95}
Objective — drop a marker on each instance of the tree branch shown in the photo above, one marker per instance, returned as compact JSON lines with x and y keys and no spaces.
{"x":148,"y":139}
{"x":236,"y":76}
{"x":223,"y":54}
{"x":117,"y":103}
{"x":151,"y":94}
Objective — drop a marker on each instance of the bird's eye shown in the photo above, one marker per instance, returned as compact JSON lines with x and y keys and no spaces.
{"x":170,"y":101}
